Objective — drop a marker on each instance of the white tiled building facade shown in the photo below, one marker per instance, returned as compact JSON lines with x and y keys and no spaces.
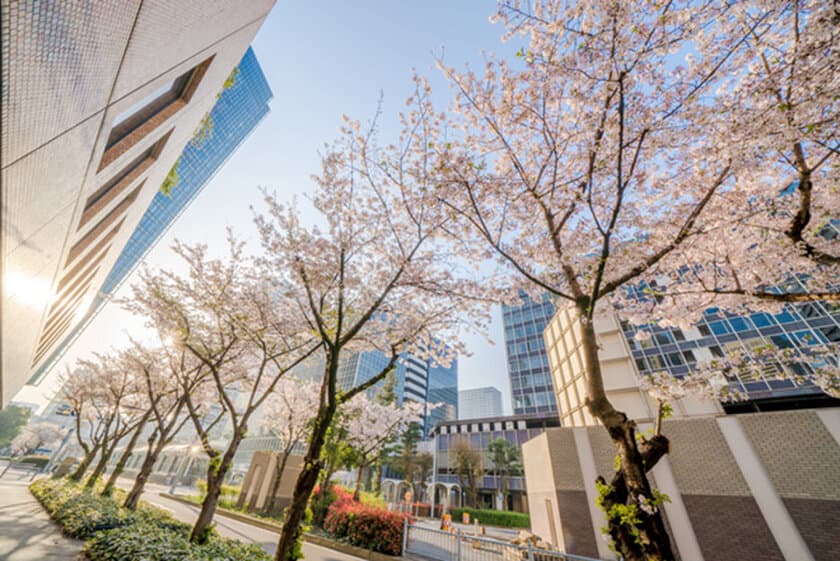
{"x":99,"y":99}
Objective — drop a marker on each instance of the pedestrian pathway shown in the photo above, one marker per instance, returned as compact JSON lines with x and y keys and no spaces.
{"x":26,"y":531}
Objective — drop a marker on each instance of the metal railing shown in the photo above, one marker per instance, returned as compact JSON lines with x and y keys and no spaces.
{"x":458,"y":545}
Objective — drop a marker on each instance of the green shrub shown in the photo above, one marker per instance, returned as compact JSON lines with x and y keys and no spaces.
{"x":84,"y":514}
{"x":488,"y":517}
{"x":148,"y":542}
{"x":115,"y":534}
{"x":35,"y":461}
{"x":320,"y":503}
{"x":229,"y":494}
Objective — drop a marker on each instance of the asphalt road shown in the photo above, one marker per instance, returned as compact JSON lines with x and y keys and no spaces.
{"x":240,"y":530}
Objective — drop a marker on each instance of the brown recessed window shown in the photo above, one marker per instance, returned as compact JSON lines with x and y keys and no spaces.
{"x":82,"y":282}
{"x":115,"y":186}
{"x":96,"y":252}
{"x":137,"y":121}
{"x":97,"y":230}
{"x":65,"y":313}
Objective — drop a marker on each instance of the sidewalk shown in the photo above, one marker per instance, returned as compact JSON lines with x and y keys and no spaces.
{"x":26,"y":531}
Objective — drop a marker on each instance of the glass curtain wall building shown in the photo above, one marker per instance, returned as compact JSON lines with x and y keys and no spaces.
{"x":531,"y":388}
{"x":720,"y":333}
{"x":238,"y":110}
{"x":414,"y":380}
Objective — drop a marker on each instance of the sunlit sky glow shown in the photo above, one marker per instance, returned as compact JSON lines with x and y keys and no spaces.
{"x":323,"y":60}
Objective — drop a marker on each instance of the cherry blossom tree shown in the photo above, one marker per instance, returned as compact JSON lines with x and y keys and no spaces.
{"x":34,"y":436}
{"x":596,"y":158}
{"x":242,"y":332}
{"x":119,"y":396}
{"x":78,"y":388}
{"x":98,"y":392}
{"x":775,"y":245}
{"x":289,"y":412}
{"x":166,"y":375}
{"x":29,"y":439}
{"x":371,"y":425}
{"x":370,"y":277}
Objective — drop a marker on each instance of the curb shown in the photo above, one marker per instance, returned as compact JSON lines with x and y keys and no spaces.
{"x":311,"y":538}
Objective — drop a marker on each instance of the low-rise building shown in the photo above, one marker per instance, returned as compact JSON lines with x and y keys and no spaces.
{"x":479,"y":433}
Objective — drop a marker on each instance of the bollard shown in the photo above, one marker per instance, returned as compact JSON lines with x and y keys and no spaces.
{"x":530,"y":551}
{"x":405,"y":535}
{"x":458,"y":547}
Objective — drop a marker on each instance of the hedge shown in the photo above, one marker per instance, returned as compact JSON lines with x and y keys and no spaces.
{"x":117,"y":534}
{"x":503,"y":518}
{"x":366,"y":526}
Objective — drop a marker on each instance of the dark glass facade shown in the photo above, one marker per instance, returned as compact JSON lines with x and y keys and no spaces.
{"x":236,"y":113}
{"x":415,"y":380}
{"x":531,"y":388}
{"x":720,"y":333}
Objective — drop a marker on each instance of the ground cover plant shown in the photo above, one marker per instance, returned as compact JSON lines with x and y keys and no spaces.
{"x":114,"y":533}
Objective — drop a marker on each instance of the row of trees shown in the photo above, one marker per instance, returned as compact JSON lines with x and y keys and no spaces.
{"x":686,"y":148}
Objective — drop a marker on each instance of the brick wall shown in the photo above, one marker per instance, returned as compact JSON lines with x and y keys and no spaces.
{"x":819,"y":523}
{"x":731,"y":528}
{"x":578,"y":533}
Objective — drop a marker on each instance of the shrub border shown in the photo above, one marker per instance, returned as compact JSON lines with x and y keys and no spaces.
{"x":309,"y":537}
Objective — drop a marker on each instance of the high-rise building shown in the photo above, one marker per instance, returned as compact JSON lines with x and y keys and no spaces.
{"x":479,"y":402}
{"x":239,"y":109}
{"x":99,"y":100}
{"x":531,"y":388}
{"x":442,"y":392}
{"x":418,"y":380}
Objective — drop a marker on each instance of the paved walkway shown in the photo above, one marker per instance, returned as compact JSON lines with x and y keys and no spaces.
{"x":26,"y":531}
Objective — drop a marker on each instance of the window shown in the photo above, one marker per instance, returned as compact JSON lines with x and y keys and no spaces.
{"x":716,"y":351}
{"x":656,"y":362}
{"x":704,"y":329}
{"x":141,"y":118}
{"x":689,"y":356}
{"x":92,"y":234}
{"x":719,"y":327}
{"x":739,"y":324}
{"x":761,"y":320}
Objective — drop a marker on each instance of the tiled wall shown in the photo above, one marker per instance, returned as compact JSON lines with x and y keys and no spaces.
{"x":68,"y":69}
{"x":733,"y":514}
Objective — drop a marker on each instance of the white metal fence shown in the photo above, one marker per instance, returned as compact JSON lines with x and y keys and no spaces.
{"x":463,"y":546}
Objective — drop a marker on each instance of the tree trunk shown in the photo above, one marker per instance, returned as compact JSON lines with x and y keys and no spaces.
{"x":216,"y":473}
{"x":80,"y":470}
{"x":358,"y":490}
{"x":279,"y":468}
{"x":288,"y":547}
{"x":376,"y":479}
{"x":647,"y":538}
{"x":100,"y":466}
{"x":118,"y":469}
{"x":152,"y":453}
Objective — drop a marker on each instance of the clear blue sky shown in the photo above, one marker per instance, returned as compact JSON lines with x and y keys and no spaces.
{"x":322,"y":60}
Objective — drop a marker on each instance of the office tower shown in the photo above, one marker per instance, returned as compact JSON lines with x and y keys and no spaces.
{"x":418,"y":380}
{"x":99,"y":100}
{"x":237,"y":112}
{"x":625,"y":359}
{"x":479,"y":402}
{"x":531,"y":388}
